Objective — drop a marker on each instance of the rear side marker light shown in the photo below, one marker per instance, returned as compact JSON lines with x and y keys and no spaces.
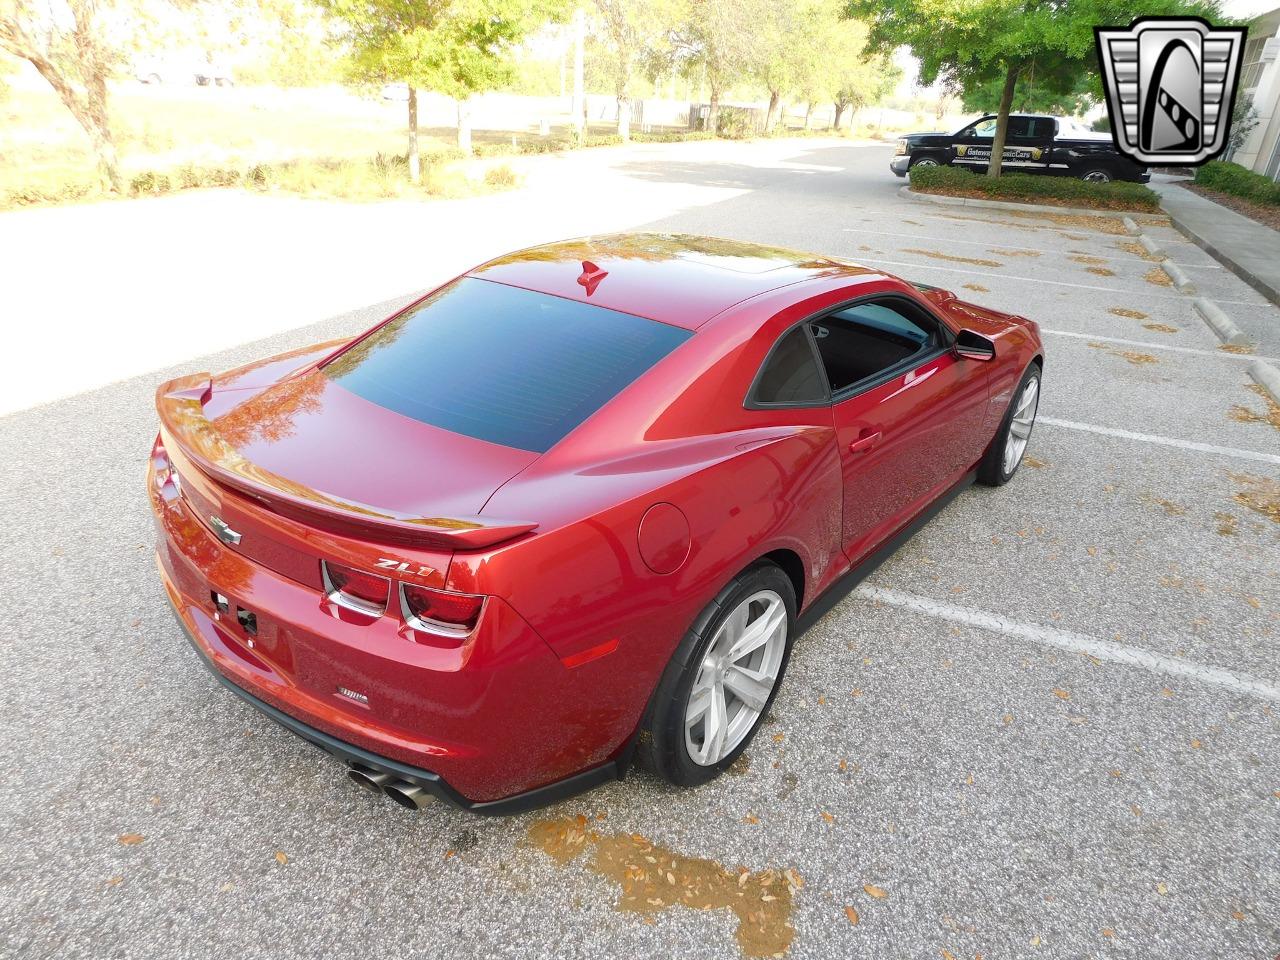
{"x":356,"y":590}
{"x":439,"y":611}
{"x":168,"y":483}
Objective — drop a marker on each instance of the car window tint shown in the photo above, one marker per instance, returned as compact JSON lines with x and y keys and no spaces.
{"x":502,"y":364}
{"x":861,"y":341}
{"x":985,"y":128}
{"x":1019,"y":127}
{"x":791,"y":374}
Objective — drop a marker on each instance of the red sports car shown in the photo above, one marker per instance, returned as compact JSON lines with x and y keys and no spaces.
{"x":570,"y":508}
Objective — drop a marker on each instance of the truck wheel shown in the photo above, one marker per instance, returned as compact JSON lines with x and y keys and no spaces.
{"x":923,"y":162}
{"x":1097,"y":175}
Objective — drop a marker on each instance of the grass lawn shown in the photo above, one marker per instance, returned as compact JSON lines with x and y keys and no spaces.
{"x":327,"y":142}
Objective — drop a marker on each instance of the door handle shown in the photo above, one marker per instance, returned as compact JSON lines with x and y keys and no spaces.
{"x":865,"y":442}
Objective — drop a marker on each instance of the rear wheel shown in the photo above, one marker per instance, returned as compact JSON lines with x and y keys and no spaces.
{"x":1010,"y":444}
{"x":721,"y":679}
{"x":1097,"y":175}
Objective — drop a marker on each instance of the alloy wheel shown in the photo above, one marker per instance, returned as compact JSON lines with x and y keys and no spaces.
{"x":1024,"y":418}
{"x":736,"y":678}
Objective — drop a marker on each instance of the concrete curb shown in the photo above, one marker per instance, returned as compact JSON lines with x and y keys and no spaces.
{"x":1180,"y":279}
{"x":1009,"y":205}
{"x":1132,"y":227}
{"x":1267,"y":377}
{"x":1219,"y":322}
{"x":1151,"y":246}
{"x":1264,"y":288}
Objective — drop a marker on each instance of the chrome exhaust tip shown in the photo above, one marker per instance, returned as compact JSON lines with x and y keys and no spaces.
{"x":408,"y":795}
{"x":369,"y":779}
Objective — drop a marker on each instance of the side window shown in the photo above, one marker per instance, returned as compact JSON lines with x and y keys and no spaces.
{"x":1019,"y":127}
{"x":859,"y":342}
{"x":984,"y":128}
{"x":790,"y":373}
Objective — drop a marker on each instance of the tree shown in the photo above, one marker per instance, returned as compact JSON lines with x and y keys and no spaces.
{"x":68,"y":47}
{"x":714,"y":41}
{"x":455,"y":47}
{"x":982,"y":42}
{"x":632,"y":31}
{"x":1037,"y":91}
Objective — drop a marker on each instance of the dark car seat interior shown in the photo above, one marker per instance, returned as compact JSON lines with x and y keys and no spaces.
{"x":862,"y":341}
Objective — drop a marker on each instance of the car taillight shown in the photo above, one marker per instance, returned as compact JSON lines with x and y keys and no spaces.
{"x":440,"y":611}
{"x":355,"y":589}
{"x":168,"y":483}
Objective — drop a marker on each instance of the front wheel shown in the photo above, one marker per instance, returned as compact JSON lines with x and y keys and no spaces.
{"x":924,"y":162}
{"x":1010,"y":444}
{"x":721,"y":679}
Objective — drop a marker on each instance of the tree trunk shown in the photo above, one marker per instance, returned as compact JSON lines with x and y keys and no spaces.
{"x":713,"y":111}
{"x":1002,"y":123}
{"x":578,"y":106}
{"x":624,"y":118}
{"x":840,"y":109}
{"x":90,"y":111}
{"x":415,"y":164}
{"x":464,"y":127}
{"x":770,"y":116}
{"x":808,"y":114}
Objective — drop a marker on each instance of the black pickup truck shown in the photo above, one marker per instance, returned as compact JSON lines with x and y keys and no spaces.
{"x":1058,"y":146}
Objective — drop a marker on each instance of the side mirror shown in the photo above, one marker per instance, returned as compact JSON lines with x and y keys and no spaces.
{"x":974,"y":346}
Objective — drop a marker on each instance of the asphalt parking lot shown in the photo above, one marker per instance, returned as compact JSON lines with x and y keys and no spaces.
{"x":1047,"y":727}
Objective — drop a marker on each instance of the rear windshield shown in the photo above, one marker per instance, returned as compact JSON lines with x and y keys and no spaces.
{"x":503,"y":364}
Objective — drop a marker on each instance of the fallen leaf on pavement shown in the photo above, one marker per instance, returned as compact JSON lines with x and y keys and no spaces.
{"x":876,"y":893}
{"x":852,"y":914}
{"x":1061,"y":694}
{"x":130,"y":839}
{"x":281,"y":857}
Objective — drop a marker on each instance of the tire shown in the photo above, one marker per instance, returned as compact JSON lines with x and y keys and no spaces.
{"x":1097,"y":175}
{"x":676,"y":750}
{"x":1001,"y":461}
{"x":925,"y":161}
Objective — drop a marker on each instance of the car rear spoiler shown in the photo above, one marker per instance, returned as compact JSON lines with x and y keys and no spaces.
{"x":180,"y":404}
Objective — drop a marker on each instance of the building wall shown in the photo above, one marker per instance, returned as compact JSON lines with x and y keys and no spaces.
{"x":1260,"y":76}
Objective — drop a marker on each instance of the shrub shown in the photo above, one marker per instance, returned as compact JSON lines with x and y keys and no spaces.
{"x":737,"y":123}
{"x":501,"y":177}
{"x":1033,"y":188}
{"x":1236,"y":180}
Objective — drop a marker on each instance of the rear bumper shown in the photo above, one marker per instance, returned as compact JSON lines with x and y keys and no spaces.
{"x":433,"y":783}
{"x":498,"y":724}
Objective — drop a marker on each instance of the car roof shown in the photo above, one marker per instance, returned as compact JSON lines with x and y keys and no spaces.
{"x":673,"y":278}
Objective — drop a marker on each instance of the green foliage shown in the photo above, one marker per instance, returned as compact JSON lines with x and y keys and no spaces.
{"x":1239,"y":182}
{"x":454,"y":47}
{"x":1033,"y":188}
{"x":1071,"y":94}
{"x":737,"y":123}
{"x":974,"y":43}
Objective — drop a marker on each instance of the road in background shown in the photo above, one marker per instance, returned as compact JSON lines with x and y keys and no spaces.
{"x":1045,"y":728}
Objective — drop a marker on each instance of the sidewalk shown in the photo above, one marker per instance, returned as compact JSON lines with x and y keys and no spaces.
{"x":1243,"y":246}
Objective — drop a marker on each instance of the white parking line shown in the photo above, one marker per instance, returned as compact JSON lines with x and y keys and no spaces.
{"x":1163,"y":441}
{"x":1216,"y":354}
{"x":1058,"y":283}
{"x":1074,"y":642}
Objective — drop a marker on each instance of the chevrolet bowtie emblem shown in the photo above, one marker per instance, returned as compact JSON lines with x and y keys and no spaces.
{"x":224,"y":532}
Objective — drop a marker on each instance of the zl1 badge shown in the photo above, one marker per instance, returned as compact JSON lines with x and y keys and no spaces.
{"x":1170,"y":83}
